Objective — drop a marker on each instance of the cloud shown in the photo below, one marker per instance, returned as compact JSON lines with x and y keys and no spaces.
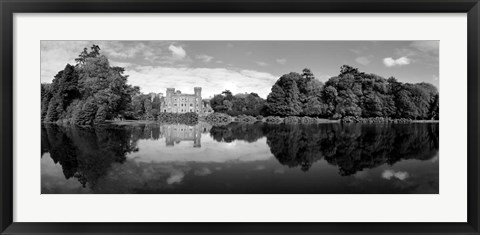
{"x":281,"y":61}
{"x":390,"y":62}
{"x":363,"y":60}
{"x":55,"y":55}
{"x":260,"y":167}
{"x":202,"y":172}
{"x":212,"y":80}
{"x":389,"y":174}
{"x":121,"y":50}
{"x":175,"y":177}
{"x":120,"y":64}
{"x":261,"y":63}
{"x":435,"y":77}
{"x":421,"y":52}
{"x":177,"y":51}
{"x":426,"y":46}
{"x":356,"y":51}
{"x":204,"y":58}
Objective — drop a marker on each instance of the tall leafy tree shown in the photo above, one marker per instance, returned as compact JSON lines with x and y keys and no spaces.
{"x":90,"y":92}
{"x":284,"y":100}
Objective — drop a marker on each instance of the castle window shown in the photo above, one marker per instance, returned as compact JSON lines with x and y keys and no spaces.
{"x":191,"y":105}
{"x":164,"y":110}
{"x":174,"y":104}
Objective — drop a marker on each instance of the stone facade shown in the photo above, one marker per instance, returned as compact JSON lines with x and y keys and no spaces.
{"x":177,"y":102}
{"x":174,"y":134}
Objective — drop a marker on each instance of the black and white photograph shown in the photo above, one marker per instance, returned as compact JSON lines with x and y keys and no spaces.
{"x":239,"y":117}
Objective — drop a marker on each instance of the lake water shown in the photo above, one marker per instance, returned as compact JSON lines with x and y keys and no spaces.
{"x":241,"y":158}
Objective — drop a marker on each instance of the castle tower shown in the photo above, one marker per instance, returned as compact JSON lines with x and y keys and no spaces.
{"x":198,"y":100}
{"x":198,"y":92}
{"x":170,"y":92}
{"x":197,"y":137}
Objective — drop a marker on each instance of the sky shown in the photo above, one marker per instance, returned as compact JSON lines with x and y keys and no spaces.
{"x":247,"y":66}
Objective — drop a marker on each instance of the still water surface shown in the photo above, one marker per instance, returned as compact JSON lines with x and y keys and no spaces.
{"x":241,"y":158}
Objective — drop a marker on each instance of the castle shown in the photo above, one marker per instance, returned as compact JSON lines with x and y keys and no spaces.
{"x":174,"y":134}
{"x":176,"y":102}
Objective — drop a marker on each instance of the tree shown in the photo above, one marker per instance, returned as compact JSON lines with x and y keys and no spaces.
{"x":284,"y":99}
{"x":303,"y":82}
{"x":46,"y":94}
{"x":78,"y":92}
{"x":315,"y":107}
{"x":434,"y":108}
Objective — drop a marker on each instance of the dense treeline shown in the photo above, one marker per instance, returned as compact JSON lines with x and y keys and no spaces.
{"x":247,"y":104}
{"x":143,"y":107}
{"x":91,"y":91}
{"x":351,"y":93}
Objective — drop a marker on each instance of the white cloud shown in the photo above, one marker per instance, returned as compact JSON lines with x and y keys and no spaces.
{"x":421,"y":52}
{"x":175,"y":177}
{"x":390,"y":62}
{"x":55,"y":55}
{"x":261,"y":63}
{"x":389,"y":174}
{"x":119,"y":50}
{"x":212,"y":80}
{"x":435,"y":77}
{"x":120,"y":64}
{"x":281,"y":61}
{"x":204,"y":58}
{"x":177,"y":51}
{"x":363,"y":60}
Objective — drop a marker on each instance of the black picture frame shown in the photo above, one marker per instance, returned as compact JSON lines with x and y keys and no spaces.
{"x":9,"y":7}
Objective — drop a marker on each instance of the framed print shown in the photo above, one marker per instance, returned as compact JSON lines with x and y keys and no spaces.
{"x":255,"y":117}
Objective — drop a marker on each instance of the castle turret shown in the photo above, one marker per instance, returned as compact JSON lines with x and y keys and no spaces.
{"x":198,"y":92}
{"x":170,"y":91}
{"x":198,"y":100}
{"x":152,"y":96}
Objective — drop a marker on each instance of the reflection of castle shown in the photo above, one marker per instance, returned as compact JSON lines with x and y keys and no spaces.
{"x":176,"y":102}
{"x":180,"y":132}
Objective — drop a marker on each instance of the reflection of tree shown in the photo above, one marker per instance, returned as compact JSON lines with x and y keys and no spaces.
{"x":237,"y":131}
{"x":351,"y":147}
{"x":296,"y":145}
{"x":86,"y":153}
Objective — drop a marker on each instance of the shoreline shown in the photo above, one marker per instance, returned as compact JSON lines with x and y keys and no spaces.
{"x":319,"y":121}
